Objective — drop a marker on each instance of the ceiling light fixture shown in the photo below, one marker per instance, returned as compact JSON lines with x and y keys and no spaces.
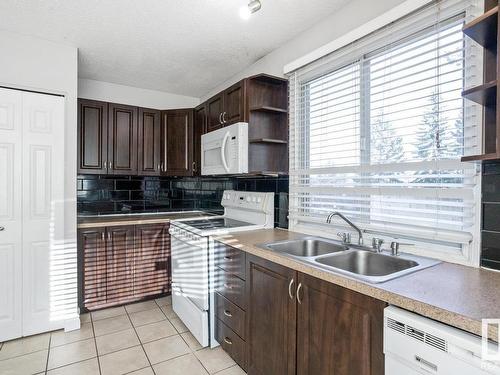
{"x":252,"y":7}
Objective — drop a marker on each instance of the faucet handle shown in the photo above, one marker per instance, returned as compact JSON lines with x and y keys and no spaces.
{"x":377,"y":243}
{"x":345,"y":237}
{"x":395,"y":247}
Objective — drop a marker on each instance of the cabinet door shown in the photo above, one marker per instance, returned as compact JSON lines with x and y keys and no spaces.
{"x":338,"y":331}
{"x":271,"y":318}
{"x":122,"y":140}
{"x":199,"y":128}
{"x":92,"y":137}
{"x":149,"y":153}
{"x":152,"y":260}
{"x":215,"y":107}
{"x":177,"y":138}
{"x":120,"y":264}
{"x":92,"y":260}
{"x":234,"y":105}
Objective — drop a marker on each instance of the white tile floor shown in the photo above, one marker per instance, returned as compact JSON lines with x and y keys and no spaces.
{"x":139,"y":339}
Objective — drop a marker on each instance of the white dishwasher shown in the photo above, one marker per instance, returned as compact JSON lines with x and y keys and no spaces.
{"x":415,"y":345}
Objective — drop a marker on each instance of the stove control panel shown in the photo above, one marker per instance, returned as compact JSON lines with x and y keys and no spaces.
{"x":248,"y":200}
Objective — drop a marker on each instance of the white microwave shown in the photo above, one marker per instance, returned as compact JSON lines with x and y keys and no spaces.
{"x":225,"y":150}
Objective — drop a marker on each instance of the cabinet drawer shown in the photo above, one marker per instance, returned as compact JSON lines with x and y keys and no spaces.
{"x":231,"y":287}
{"x":231,"y":343}
{"x":230,"y":259}
{"x":230,"y":314}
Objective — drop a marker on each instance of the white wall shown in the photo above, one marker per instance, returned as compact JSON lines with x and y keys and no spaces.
{"x":40,"y":65}
{"x":354,"y":14}
{"x":110,"y":92}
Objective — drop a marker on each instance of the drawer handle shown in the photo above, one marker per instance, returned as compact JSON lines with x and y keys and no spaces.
{"x":227,"y":286}
{"x":426,"y":364}
{"x":228,"y":313}
{"x":227,"y":340}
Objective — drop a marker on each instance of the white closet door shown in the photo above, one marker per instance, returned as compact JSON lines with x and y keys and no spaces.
{"x":10,"y":214}
{"x":44,"y":289}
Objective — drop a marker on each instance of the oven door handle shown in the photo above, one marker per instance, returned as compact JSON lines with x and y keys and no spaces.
{"x":223,"y":151}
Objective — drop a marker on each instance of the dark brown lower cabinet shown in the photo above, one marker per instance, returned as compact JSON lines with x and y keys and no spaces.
{"x":92,"y":265}
{"x":123,"y":264}
{"x":271,"y":333}
{"x":119,"y":263}
{"x":298,"y":324}
{"x":152,"y":260}
{"x":338,"y":331}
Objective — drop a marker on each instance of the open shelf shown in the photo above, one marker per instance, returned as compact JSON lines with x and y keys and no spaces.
{"x":267,"y":108}
{"x":481,"y":157}
{"x":484,"y":29}
{"x":267,"y":78}
{"x":268,"y":140}
{"x":485,"y":94}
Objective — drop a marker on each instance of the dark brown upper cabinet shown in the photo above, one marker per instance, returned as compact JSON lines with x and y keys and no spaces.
{"x":122,"y":139}
{"x":234,"y":104}
{"x":149,"y":142}
{"x":215,"y":108}
{"x":92,"y":137}
{"x":177,"y":142}
{"x":227,"y":107}
{"x":199,"y":128}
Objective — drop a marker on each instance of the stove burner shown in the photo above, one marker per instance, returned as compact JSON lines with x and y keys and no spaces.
{"x":215,"y":223}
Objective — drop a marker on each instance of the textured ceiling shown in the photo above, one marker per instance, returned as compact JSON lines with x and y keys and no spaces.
{"x":181,"y":46}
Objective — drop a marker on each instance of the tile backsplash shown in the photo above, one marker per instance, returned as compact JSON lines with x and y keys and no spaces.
{"x":119,"y":194}
{"x":490,"y":252}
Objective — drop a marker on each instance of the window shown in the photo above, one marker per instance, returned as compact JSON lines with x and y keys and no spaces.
{"x":377,"y":132}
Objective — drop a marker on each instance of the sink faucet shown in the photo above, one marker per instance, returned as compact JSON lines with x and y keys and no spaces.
{"x":354,"y":226}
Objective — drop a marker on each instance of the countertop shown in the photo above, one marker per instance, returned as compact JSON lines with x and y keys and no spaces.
{"x":457,"y":295}
{"x":89,"y":221}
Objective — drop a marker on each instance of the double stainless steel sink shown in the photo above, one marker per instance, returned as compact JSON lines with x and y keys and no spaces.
{"x":355,"y":261}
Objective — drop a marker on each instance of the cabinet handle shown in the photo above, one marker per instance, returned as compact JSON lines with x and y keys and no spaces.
{"x":2,"y":229}
{"x":110,"y":165}
{"x":194,"y":166}
{"x":102,"y":236}
{"x":228,"y":313}
{"x":224,"y":117}
{"x":227,"y":286}
{"x":298,"y":295}
{"x":227,"y":340}
{"x":290,"y":289}
{"x":158,"y":166}
{"x":220,"y":118}
{"x":227,"y":257}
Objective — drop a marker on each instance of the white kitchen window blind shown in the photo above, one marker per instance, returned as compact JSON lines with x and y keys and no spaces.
{"x":377,"y":130}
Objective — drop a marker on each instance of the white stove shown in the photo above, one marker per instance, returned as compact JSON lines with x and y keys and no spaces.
{"x":193,"y":255}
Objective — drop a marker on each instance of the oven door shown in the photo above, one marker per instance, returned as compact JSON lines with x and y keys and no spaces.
{"x":190,"y":282}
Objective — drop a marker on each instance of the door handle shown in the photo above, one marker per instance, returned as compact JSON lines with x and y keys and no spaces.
{"x":297,"y":293}
{"x":290,"y":289}
{"x":223,"y":152}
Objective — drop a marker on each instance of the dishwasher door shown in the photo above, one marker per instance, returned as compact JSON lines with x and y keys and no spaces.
{"x":417,"y":345}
